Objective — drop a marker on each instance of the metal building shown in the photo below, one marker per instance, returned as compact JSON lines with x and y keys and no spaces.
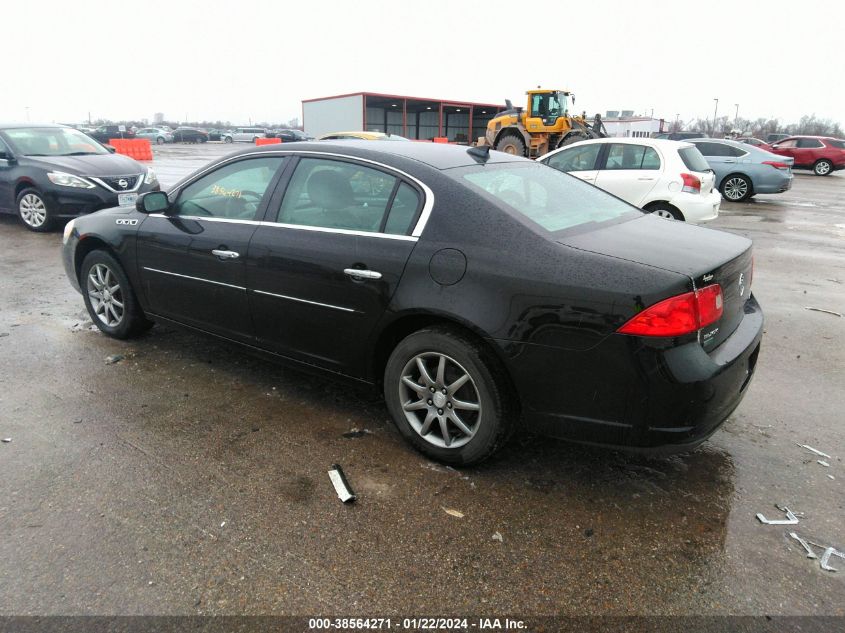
{"x":412,"y":117}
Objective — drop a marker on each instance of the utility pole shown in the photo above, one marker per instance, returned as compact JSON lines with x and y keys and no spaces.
{"x":736,"y":116}
{"x":715,"y":110}
{"x":27,"y":113}
{"x":676,"y":121}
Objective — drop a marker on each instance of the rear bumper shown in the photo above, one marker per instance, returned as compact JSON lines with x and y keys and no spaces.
{"x":637,"y":394}
{"x":777,"y":183}
{"x":697,"y":208}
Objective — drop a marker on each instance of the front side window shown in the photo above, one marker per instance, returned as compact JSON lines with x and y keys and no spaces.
{"x":788,"y":144}
{"x":809,"y":143}
{"x":629,"y":156}
{"x":546,"y":106}
{"x":337,"y":194}
{"x":233,"y":191}
{"x":553,"y":200}
{"x":576,"y":158}
{"x":52,"y":142}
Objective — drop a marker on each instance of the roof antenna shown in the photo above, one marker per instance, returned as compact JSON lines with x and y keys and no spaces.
{"x":480,"y":154}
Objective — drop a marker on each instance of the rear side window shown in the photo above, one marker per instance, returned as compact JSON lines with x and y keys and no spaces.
{"x":836,"y":144}
{"x":713,"y":149}
{"x":403,"y":211}
{"x":628,"y":156}
{"x":554,"y":200}
{"x":576,"y":158}
{"x":337,"y":194}
{"x":693,"y":159}
{"x":809,"y":143}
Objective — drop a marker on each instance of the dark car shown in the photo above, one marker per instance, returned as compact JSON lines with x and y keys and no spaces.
{"x":679,"y":136}
{"x":189,"y":135}
{"x":104,"y":133}
{"x":52,"y":171}
{"x":480,"y":290}
{"x":288,"y":135}
{"x":215,"y":134}
{"x":821,"y":154}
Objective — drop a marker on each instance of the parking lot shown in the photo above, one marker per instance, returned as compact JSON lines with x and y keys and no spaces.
{"x":189,"y":478}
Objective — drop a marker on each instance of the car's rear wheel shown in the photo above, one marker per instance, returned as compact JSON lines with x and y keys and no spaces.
{"x":109,"y":297}
{"x":822,"y":167}
{"x":34,"y":211}
{"x":228,"y":139}
{"x":448,"y":395}
{"x":511,"y":144}
{"x":665,"y":210}
{"x":160,"y":140}
{"x":736,"y":188}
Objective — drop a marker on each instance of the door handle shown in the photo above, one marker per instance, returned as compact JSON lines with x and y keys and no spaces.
{"x":361,"y":273}
{"x":645,"y":178}
{"x":730,"y":160}
{"x":225,"y":254}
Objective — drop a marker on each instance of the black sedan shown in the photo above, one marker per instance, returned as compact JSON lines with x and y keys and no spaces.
{"x":189,"y":135}
{"x":52,"y":171}
{"x":483,"y":292}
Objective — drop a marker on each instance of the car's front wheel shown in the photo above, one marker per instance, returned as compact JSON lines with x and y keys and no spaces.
{"x":449,"y":396}
{"x":228,"y":139}
{"x":109,"y":297}
{"x":34,"y":211}
{"x":736,"y":188}
{"x":822,"y":167}
{"x":160,"y":140}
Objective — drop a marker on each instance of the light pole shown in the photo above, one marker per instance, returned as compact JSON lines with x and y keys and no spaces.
{"x":676,"y":121}
{"x":715,"y":110}
{"x":736,"y":116}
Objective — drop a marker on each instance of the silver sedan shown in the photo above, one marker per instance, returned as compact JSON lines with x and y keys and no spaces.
{"x":743,"y":170}
{"x":155,"y":135}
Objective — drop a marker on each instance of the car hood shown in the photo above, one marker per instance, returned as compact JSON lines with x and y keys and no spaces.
{"x":91,"y":165}
{"x":668,"y":244}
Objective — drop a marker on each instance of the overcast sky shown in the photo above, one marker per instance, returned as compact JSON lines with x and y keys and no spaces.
{"x":257,"y":60}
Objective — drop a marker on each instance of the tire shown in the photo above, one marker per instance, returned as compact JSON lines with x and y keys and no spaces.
{"x":227,"y":139}
{"x":34,"y":211}
{"x":665,"y":210}
{"x":569,"y":139}
{"x":160,"y":140}
{"x":511,"y":144}
{"x":122,"y":316}
{"x":490,"y":424}
{"x":823,"y":167}
{"x":736,"y":188}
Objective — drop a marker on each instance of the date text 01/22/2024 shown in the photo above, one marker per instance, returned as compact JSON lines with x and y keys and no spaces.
{"x":414,"y":624}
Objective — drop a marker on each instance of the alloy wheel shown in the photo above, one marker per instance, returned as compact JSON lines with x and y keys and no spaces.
{"x":105,"y":294}
{"x":33,"y":210}
{"x":823,"y":168}
{"x":736,"y":189}
{"x":440,"y":400}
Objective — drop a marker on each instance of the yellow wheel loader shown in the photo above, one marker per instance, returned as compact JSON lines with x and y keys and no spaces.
{"x":544,"y":125}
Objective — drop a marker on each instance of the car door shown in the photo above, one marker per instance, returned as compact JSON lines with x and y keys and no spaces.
{"x":580,"y":160}
{"x":324,"y":265}
{"x":192,"y":260}
{"x":786,"y":148}
{"x":629,"y":171}
{"x":807,"y":151}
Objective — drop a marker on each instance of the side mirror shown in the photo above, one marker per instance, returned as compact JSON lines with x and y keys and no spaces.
{"x":7,"y":157}
{"x":110,"y":148}
{"x":152,"y":202}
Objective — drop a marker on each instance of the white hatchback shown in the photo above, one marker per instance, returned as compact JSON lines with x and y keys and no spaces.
{"x":669,"y":178}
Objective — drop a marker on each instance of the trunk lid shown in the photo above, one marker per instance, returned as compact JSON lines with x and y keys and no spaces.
{"x":704,"y":255}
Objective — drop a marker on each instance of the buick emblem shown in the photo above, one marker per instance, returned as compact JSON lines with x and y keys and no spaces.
{"x":123,"y":183}
{"x":741,"y":284}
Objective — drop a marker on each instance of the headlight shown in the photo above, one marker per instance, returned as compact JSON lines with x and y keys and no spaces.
{"x":68,"y":231}
{"x":150,"y":178}
{"x":69,"y":180}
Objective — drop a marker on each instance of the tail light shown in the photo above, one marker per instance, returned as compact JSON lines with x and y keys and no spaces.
{"x":692,"y":184}
{"x":678,"y":315}
{"x":776,"y":164}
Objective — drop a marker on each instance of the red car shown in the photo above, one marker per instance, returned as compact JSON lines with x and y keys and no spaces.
{"x":820,"y":153}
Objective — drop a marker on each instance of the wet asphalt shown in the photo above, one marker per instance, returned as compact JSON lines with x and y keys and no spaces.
{"x":190,"y":478}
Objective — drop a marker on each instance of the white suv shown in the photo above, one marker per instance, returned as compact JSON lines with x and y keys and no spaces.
{"x":244,"y":134}
{"x":669,"y":178}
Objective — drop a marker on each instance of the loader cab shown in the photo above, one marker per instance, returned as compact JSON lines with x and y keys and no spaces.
{"x":545,"y":107}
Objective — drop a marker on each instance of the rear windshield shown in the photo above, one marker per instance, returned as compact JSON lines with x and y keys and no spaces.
{"x":838,"y":144}
{"x":554,"y":200}
{"x":693,"y":159}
